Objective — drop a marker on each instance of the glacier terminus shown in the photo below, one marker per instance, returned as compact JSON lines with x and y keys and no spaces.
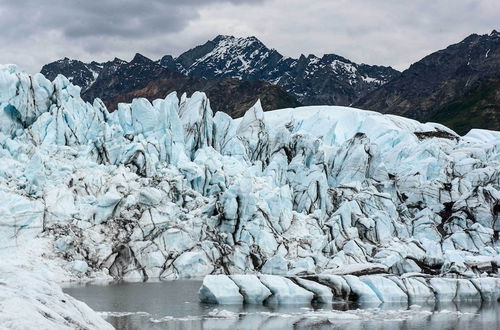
{"x":312,"y":203}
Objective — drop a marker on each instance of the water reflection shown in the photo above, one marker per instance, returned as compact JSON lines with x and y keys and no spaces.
{"x":174,"y":305}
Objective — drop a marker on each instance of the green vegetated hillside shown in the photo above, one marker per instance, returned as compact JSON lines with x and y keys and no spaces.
{"x":480,"y":107}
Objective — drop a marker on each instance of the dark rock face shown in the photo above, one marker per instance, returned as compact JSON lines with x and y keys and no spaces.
{"x":451,"y":86}
{"x":81,"y":74}
{"x":168,"y":62}
{"x":332,"y":79}
{"x":120,"y":81}
{"x":120,"y":77}
{"x":312,"y":80}
{"x":272,"y":97}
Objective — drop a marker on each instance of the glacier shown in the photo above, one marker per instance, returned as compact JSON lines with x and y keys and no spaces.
{"x":171,"y":190}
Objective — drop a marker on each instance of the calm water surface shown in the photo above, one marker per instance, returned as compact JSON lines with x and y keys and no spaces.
{"x":175,"y":305}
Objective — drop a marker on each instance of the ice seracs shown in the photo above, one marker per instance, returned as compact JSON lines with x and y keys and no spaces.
{"x":168,"y":189}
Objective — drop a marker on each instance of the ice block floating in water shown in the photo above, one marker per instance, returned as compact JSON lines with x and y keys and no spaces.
{"x":274,"y":289}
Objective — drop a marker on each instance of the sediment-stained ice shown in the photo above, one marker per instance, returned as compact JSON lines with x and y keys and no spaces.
{"x":322,"y":294}
{"x":252,"y":289}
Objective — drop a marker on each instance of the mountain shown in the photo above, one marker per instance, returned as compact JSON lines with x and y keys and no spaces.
{"x":121,"y":81}
{"x":478,"y":107}
{"x":227,"y":61}
{"x":79,"y":73}
{"x":457,"y":86}
{"x":231,"y":57}
{"x":330,"y":79}
{"x":231,"y":96}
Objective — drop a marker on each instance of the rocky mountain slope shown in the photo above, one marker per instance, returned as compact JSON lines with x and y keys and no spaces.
{"x":224,"y":61}
{"x":330,"y":79}
{"x":456,"y":86}
{"x":121,"y":81}
{"x":478,"y":107}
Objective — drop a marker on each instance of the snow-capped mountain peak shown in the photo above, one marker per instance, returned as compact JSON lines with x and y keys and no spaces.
{"x":330,"y":79}
{"x":78,"y":72}
{"x":229,"y":57}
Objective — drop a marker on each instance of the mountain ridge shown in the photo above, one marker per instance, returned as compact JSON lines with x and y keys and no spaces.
{"x":441,"y":79}
{"x":121,"y":81}
{"x":309,"y":78}
{"x":450,"y":86}
{"x":331,"y":79}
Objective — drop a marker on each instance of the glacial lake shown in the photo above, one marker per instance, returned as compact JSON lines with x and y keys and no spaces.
{"x":175,"y":305}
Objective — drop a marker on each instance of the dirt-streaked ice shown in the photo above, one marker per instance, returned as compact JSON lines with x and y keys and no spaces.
{"x":168,"y":189}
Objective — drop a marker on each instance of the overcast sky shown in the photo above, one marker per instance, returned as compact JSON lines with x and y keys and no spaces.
{"x":385,"y":32}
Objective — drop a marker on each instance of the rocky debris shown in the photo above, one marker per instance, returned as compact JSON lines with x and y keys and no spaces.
{"x":168,"y":189}
{"x":406,"y":290}
{"x":436,"y":133}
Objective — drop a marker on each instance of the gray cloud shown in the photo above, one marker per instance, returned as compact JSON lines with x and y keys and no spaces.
{"x":388,"y":32}
{"x":117,"y":18}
